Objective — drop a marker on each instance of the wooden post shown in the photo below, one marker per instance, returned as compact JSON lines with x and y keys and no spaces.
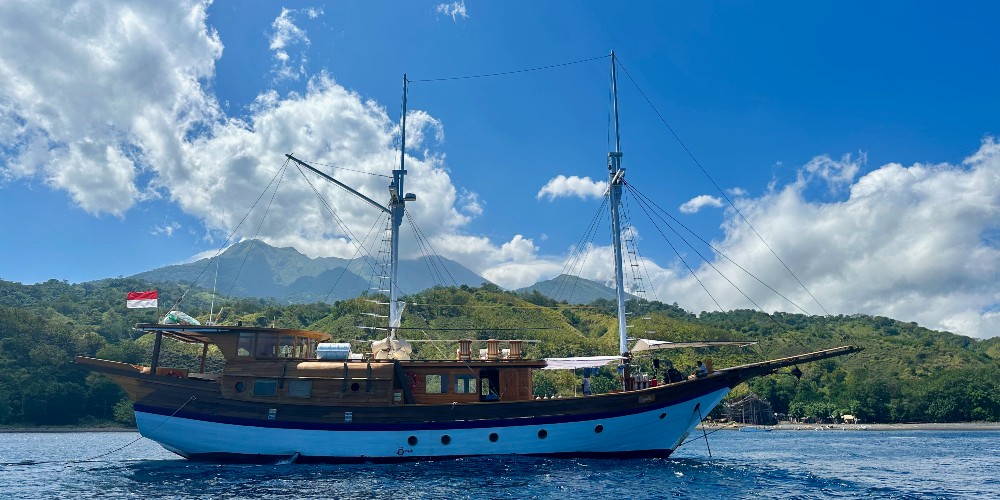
{"x":156,"y":354}
{"x":204,"y":354}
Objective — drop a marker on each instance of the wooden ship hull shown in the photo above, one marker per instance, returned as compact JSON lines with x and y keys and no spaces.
{"x":381,"y":411}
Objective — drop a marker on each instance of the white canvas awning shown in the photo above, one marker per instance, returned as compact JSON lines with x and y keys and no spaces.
{"x":648,"y":345}
{"x":579,"y":362}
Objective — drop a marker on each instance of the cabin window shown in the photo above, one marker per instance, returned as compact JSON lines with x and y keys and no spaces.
{"x":436,"y":384}
{"x":286,"y":346}
{"x":265,"y":387}
{"x":300,"y":388}
{"x":245,"y":346}
{"x":465,"y":384}
{"x":266,"y":344}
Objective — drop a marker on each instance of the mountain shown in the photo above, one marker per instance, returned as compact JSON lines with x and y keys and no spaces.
{"x":572,"y":289}
{"x":253,"y":268}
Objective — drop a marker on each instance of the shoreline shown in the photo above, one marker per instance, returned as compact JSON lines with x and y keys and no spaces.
{"x":60,"y":429}
{"x":954,"y":426}
{"x":944,"y":426}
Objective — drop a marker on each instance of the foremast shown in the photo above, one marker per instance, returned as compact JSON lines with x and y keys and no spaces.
{"x":616,"y":178}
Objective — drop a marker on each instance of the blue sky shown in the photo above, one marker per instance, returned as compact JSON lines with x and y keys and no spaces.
{"x":857,"y":137}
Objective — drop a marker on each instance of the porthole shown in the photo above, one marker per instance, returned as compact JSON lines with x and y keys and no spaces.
{"x":599,"y":429}
{"x":355,"y":387}
{"x":446,"y":440}
{"x":494,"y":437}
{"x":542,"y":434}
{"x":240,"y":387}
{"x":412,"y":440}
{"x":663,"y":416}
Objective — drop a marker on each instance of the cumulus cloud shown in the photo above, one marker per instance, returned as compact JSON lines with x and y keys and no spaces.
{"x":94,"y":90}
{"x":912,"y":243}
{"x":695,"y":204}
{"x":581,"y":187}
{"x":454,"y":9}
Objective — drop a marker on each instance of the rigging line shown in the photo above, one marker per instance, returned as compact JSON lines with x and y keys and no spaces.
{"x":432,"y":267}
{"x":642,"y":263}
{"x":504,"y":73}
{"x":423,"y":237}
{"x":233,"y":233}
{"x":637,"y":261}
{"x":683,"y":261}
{"x":253,"y":242}
{"x":347,"y":169}
{"x":731,"y":261}
{"x":357,"y":251}
{"x":705,"y":259}
{"x":718,"y":188}
{"x":533,"y":306}
{"x":580,"y":253}
{"x":338,"y":220}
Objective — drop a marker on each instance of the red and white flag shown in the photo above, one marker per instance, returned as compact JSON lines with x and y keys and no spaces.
{"x":138,"y":300}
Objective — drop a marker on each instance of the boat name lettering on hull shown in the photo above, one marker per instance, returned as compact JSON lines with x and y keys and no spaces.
{"x":647,"y":398}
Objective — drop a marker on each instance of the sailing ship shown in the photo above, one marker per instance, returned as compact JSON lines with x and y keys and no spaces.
{"x":292,"y":394}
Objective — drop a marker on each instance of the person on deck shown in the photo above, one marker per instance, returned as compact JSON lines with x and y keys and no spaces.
{"x":673,"y":375}
{"x":701,"y":370}
{"x":586,"y":382}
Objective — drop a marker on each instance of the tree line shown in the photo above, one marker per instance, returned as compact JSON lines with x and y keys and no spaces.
{"x":906,"y":373}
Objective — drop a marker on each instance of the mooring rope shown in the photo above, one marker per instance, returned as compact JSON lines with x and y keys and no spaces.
{"x":102,"y":455}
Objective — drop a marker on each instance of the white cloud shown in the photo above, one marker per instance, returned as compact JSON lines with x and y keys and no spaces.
{"x":95,"y":89}
{"x":167,"y":229}
{"x":911,"y":243}
{"x":695,"y":204}
{"x":836,"y":173}
{"x":581,"y":187}
{"x":737,"y":192}
{"x":287,"y":34}
{"x":454,"y":9}
{"x":471,"y":204}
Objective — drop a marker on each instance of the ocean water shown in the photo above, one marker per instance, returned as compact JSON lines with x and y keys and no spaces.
{"x":778,"y":464}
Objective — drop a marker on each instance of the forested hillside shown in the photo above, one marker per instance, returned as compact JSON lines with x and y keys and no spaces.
{"x":905,"y":374}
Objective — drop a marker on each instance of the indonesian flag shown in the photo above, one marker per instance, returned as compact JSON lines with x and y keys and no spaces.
{"x":138,"y":300}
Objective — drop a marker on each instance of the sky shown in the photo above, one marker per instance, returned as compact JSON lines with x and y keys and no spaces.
{"x":845,"y":154}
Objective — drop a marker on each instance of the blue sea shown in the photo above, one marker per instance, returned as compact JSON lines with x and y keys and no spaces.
{"x":778,"y":464}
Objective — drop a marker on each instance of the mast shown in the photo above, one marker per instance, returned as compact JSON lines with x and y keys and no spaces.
{"x":397,"y":203}
{"x":616,"y":178}
{"x":396,"y":209}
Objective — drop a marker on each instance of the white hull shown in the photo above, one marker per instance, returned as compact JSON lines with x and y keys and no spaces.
{"x":643,"y":433}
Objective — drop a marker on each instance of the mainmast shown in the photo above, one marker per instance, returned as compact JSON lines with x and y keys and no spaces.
{"x":616,"y":178}
{"x":396,"y":209}
{"x":397,"y":203}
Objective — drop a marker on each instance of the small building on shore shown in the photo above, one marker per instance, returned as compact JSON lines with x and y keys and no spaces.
{"x":751,"y":410}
